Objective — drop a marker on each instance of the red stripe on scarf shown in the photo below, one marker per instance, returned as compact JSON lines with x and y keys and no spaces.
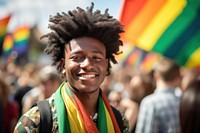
{"x":87,"y":121}
{"x":117,"y":130}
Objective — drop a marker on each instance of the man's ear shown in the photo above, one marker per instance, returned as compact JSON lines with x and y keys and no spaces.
{"x":62,"y":63}
{"x":63,"y":71}
{"x":107,"y":63}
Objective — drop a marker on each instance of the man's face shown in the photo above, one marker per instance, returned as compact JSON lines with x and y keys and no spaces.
{"x":85,"y":63}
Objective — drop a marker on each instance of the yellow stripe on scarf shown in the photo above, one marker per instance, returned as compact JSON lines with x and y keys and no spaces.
{"x":109,"y":121}
{"x":75,"y":122}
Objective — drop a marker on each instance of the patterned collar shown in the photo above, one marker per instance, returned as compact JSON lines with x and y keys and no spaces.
{"x":94,"y":118}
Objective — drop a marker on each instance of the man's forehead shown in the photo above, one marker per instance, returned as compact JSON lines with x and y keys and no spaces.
{"x":85,"y":43}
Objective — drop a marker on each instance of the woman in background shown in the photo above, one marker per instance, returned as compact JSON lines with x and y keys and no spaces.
{"x":190,"y":108}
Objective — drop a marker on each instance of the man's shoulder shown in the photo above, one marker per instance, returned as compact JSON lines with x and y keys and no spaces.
{"x":150,"y":98}
{"x":29,"y":122}
{"x":160,"y":95}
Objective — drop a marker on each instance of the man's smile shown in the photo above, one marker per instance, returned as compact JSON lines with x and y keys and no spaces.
{"x":86,"y":76}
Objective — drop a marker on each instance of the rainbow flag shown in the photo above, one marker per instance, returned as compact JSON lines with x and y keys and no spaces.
{"x":3,"y":29}
{"x":141,"y":59}
{"x":169,"y":27}
{"x":149,"y":62}
{"x":8,"y":44}
{"x":21,"y":38}
{"x":133,"y":57}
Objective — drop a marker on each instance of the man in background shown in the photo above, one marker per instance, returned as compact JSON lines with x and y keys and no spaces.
{"x":159,"y":112}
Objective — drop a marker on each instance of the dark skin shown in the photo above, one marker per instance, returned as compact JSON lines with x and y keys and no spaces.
{"x":86,"y":66}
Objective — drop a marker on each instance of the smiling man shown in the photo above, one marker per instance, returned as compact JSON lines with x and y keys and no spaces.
{"x":82,"y":45}
{"x":86,"y":65}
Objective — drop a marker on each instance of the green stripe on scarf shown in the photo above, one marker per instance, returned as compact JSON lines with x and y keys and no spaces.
{"x":101,"y":120}
{"x":63,"y":123}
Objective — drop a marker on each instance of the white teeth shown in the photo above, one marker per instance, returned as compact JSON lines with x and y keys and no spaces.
{"x":88,"y":76}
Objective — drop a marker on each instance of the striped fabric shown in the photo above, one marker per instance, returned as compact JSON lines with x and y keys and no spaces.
{"x":21,"y":37}
{"x":8,"y":44}
{"x":3,"y":26}
{"x":169,"y":27}
{"x":73,"y":116}
{"x":3,"y":30}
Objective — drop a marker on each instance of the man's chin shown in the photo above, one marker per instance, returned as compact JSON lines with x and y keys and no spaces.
{"x":86,"y":90}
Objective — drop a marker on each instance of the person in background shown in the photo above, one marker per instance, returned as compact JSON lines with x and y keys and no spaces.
{"x":9,"y":109}
{"x":83,"y":44}
{"x":24,"y":85}
{"x":189,"y":75}
{"x":115,"y":98}
{"x":190,"y":108}
{"x":49,"y":80}
{"x":141,"y":85}
{"x":159,"y":112}
{"x":130,"y":109}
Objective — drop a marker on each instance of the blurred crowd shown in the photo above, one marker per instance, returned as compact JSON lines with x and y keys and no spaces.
{"x":21,"y":87}
{"x":126,"y":88}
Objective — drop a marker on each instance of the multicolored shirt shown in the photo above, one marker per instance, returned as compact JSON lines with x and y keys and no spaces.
{"x":30,"y":121}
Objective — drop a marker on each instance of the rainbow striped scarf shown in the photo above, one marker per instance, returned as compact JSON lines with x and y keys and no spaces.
{"x":73,"y":117}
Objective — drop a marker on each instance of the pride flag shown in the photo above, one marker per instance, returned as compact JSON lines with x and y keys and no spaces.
{"x":8,"y":44}
{"x":138,"y":58}
{"x":134,"y":57}
{"x":169,"y":27}
{"x":3,"y":29}
{"x":21,"y":39}
{"x":149,"y":62}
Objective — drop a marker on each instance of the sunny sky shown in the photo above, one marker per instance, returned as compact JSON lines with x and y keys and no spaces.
{"x":38,"y":12}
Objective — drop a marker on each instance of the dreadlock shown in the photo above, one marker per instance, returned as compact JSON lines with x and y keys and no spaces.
{"x":79,"y":23}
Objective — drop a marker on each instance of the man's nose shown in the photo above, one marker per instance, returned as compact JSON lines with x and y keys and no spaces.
{"x":87,"y":63}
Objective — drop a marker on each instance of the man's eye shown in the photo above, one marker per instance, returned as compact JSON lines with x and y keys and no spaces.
{"x":77,"y":58}
{"x":96,"y":58}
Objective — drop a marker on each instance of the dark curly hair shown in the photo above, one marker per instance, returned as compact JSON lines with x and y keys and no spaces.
{"x":79,"y":23}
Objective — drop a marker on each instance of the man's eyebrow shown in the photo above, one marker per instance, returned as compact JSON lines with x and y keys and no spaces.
{"x":98,"y":52}
{"x":80,"y":51}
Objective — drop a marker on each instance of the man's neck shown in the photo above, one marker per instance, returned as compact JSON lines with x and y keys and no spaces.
{"x":89,"y":101}
{"x":162,"y":84}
